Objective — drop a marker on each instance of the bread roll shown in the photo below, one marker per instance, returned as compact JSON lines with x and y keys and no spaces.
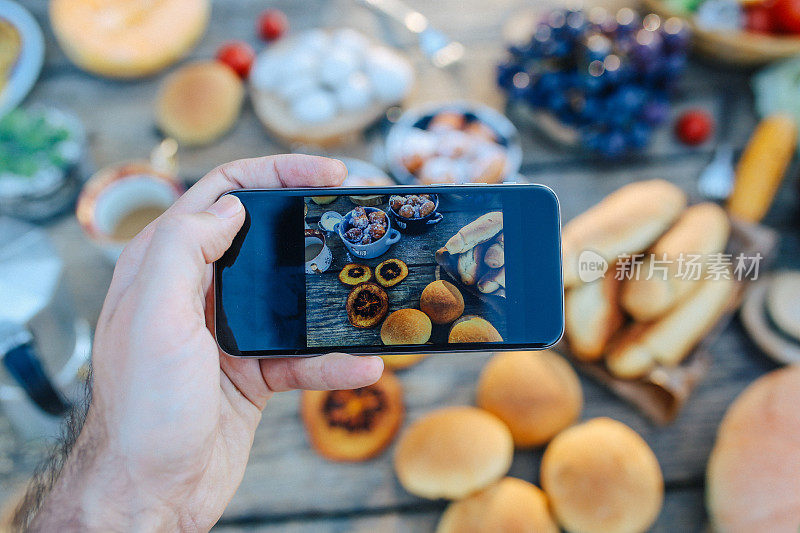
{"x":601,"y":476}
{"x":469,"y":264}
{"x":702,"y":229}
{"x":127,"y":39}
{"x":471,"y":328}
{"x":453,"y":452}
{"x":492,"y":280}
{"x":495,"y":254}
{"x":442,"y":302}
{"x":479,"y":230}
{"x":753,"y":478}
{"x":668,"y":340}
{"x":509,"y":506}
{"x":537,"y":394}
{"x":406,"y":326}
{"x":199,"y":102}
{"x":592,"y":315}
{"x":628,"y":221}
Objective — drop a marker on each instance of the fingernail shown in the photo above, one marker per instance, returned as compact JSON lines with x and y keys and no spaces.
{"x":226,"y":207}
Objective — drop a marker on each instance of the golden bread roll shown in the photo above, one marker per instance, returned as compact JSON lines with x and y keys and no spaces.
{"x":669,"y":340}
{"x":626,"y":221}
{"x":471,"y":328}
{"x":592,"y":315}
{"x":400,"y":361}
{"x":199,"y":102}
{"x":453,"y":452}
{"x":701,"y":230}
{"x":442,"y":302}
{"x":509,"y":506}
{"x":495,"y":254}
{"x":479,"y":230}
{"x":601,"y":476}
{"x":753,"y":477}
{"x":492,"y":280}
{"x":127,"y":38}
{"x":469,"y":263}
{"x":783,"y":302}
{"x":537,"y":394}
{"x":406,"y":326}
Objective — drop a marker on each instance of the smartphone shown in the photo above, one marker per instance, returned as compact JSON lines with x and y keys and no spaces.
{"x":403,"y":269}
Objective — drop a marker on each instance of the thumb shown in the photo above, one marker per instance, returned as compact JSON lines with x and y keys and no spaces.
{"x":184,"y":244}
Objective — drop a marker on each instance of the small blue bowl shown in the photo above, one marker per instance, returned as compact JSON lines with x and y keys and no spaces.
{"x":372,"y":250}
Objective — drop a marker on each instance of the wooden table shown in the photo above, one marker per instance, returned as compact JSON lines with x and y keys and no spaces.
{"x":287,"y":487}
{"x":326,"y":316}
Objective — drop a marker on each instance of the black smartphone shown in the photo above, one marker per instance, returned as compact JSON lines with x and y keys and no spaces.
{"x":405,"y":269}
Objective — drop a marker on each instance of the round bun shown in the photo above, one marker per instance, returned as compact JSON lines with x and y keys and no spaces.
{"x":471,"y":328}
{"x":199,"y":102}
{"x":406,"y":326}
{"x":123,"y":39}
{"x":754,"y":468}
{"x":509,"y":506}
{"x":442,"y":302}
{"x":537,"y":394}
{"x":399,"y":361}
{"x":601,"y":476}
{"x":453,"y":452}
{"x":782,"y":298}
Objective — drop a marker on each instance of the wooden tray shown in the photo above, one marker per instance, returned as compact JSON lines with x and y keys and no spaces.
{"x":662,"y":393}
{"x":739,"y":48}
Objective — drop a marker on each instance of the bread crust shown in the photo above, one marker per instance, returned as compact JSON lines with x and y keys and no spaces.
{"x":495,"y":254}
{"x":701,"y":230}
{"x":492,"y":280}
{"x":627,"y":221}
{"x":478,"y":231}
{"x":592,"y":316}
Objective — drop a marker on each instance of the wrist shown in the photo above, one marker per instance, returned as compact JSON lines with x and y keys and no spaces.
{"x":95,"y":492}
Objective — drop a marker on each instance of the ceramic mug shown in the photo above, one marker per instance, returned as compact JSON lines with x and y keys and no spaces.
{"x":322,"y":260}
{"x":374,"y":249}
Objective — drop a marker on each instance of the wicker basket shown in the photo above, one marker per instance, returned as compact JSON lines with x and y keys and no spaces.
{"x":739,"y":48}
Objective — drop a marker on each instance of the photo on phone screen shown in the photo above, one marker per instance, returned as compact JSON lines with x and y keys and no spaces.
{"x":397,"y":270}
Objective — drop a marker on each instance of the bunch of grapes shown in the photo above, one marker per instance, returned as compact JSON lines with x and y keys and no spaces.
{"x":607,"y":76}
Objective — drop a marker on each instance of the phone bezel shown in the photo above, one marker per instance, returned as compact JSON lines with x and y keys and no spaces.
{"x":398,"y":349}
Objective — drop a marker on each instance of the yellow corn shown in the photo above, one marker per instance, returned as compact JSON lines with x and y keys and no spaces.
{"x":762,"y":167}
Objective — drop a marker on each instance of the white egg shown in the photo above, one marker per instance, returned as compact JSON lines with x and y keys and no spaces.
{"x":351,"y":39}
{"x":317,"y":41}
{"x":355,"y":93}
{"x":337,"y":67}
{"x":266,"y":73}
{"x":390,"y":74}
{"x":318,"y":106}
{"x":295,"y":88}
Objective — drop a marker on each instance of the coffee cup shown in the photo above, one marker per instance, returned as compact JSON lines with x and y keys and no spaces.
{"x":317,"y":254}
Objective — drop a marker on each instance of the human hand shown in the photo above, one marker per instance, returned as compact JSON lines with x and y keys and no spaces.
{"x":172,"y":420}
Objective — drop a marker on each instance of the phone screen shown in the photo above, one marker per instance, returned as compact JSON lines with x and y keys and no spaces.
{"x":396,"y":269}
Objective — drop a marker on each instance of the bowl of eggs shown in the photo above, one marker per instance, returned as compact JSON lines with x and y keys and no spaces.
{"x":324,"y":87}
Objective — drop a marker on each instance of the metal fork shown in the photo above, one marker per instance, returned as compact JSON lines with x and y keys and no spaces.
{"x":716,"y":180}
{"x":438,"y":47}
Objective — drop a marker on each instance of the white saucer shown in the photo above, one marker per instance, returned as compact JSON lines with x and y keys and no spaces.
{"x":29,"y":64}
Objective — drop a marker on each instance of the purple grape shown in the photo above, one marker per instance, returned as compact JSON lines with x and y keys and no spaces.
{"x":613,"y":144}
{"x":639,"y":135}
{"x":655,"y":111}
{"x":675,"y":33}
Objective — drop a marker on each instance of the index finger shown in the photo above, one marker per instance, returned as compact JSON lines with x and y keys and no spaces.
{"x":286,"y":170}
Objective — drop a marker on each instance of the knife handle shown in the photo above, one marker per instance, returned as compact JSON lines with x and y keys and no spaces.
{"x":26,"y":369}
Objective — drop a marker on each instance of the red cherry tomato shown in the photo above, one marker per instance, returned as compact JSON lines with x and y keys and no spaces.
{"x":694,"y":127}
{"x":759,"y":19}
{"x":786,"y":15}
{"x":238,"y":55}
{"x":272,"y":24}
